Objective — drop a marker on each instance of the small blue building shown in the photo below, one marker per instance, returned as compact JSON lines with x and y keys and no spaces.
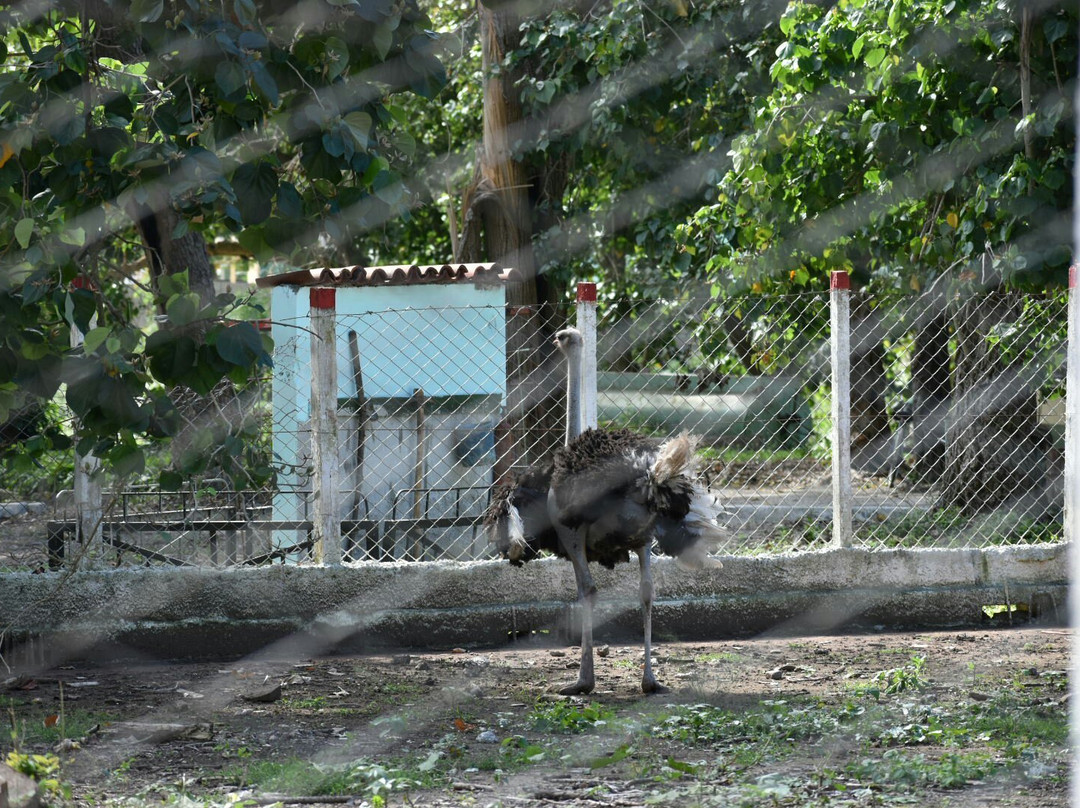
{"x":421,"y":368}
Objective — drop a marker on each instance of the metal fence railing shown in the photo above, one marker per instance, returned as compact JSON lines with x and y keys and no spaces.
{"x":957,"y":423}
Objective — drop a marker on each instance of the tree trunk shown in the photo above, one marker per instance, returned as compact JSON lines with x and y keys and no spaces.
{"x":931,"y":388}
{"x":205,"y":420}
{"x":869,"y":419}
{"x":166,"y":255}
{"x":498,"y":225}
{"x":994,"y":450}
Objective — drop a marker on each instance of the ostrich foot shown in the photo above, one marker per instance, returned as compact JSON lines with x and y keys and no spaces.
{"x":580,"y":687}
{"x":651,"y":687}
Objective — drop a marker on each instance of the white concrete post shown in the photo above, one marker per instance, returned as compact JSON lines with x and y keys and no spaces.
{"x":1072,"y":504}
{"x":89,"y":512}
{"x":326,"y":518}
{"x":586,"y":324}
{"x":840,"y":354}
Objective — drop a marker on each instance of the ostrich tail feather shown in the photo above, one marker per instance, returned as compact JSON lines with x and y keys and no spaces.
{"x":518,"y":544}
{"x":703,"y":522}
{"x":675,"y":457}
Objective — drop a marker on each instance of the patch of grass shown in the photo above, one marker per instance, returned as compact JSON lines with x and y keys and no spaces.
{"x":895,"y":680}
{"x":899,"y":769}
{"x":568,"y":717}
{"x":297,"y":777}
{"x":920,"y":724}
{"x":405,"y":689}
{"x":770,"y":725}
{"x":722,"y":656}
{"x":313,"y":703}
{"x":1009,"y":720}
{"x":37,"y":725}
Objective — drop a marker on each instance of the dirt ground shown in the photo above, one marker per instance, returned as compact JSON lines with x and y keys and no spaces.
{"x":958,"y":718}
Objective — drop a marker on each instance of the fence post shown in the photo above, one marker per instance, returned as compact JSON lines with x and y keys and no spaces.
{"x":840,"y":355}
{"x":586,"y":324}
{"x":89,"y":512}
{"x":326,"y":519}
{"x":1072,"y":504}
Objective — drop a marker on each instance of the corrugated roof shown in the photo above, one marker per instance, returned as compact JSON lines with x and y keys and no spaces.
{"x":396,"y":275}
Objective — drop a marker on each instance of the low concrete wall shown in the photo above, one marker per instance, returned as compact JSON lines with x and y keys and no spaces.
{"x":297,"y":611}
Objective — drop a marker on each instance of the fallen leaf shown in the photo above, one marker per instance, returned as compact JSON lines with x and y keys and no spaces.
{"x":462,"y":726}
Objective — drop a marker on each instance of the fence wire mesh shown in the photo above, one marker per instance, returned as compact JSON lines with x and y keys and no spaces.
{"x":957,"y":430}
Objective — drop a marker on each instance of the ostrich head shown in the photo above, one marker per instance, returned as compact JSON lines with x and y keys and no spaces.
{"x":567,"y":340}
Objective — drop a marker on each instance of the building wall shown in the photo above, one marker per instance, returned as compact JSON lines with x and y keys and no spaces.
{"x":447,"y":340}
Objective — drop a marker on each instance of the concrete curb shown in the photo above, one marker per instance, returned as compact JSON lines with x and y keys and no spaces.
{"x":298,"y":611}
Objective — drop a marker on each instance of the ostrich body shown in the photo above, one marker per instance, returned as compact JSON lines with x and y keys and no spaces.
{"x":606,"y":494}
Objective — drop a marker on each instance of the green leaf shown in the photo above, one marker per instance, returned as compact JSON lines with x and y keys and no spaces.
{"x":147,"y":10}
{"x":383,"y":39}
{"x":175,"y":283}
{"x":74,"y":236}
{"x":182,"y":309}
{"x":239,"y":343}
{"x":23,"y":231}
{"x":246,"y":11}
{"x":80,"y":308}
{"x":255,"y":185}
{"x":336,"y":56}
{"x":127,"y":460}
{"x":875,"y":57}
{"x":680,"y":766}
{"x":266,"y":83}
{"x":95,"y":337}
{"x":619,"y":754}
{"x":1054,"y":28}
{"x":358,"y":125}
{"x":896,"y":14}
{"x":229,"y":77}
{"x":170,"y":480}
{"x":170,"y":357}
{"x":430,"y":762}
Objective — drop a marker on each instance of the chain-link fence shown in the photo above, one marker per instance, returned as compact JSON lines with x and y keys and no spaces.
{"x":957,"y":422}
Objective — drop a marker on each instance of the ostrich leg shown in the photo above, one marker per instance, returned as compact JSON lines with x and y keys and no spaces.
{"x":586,"y":594}
{"x":648,"y":678}
{"x":573,"y":542}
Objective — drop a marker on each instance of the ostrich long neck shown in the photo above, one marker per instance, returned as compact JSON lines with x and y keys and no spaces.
{"x":573,"y":391}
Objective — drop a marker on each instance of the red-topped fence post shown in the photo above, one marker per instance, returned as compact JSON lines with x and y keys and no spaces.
{"x":586,"y":324}
{"x":840,"y":355}
{"x":326,"y":516}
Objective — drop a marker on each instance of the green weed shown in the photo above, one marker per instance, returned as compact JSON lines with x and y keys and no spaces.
{"x":305,"y":778}
{"x":313,"y":703}
{"x":568,"y":717}
{"x":895,"y":680}
{"x":771,"y":724}
{"x":898,"y":769}
{"x":722,"y":656}
{"x":44,"y":769}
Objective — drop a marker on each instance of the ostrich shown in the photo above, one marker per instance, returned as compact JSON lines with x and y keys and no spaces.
{"x":605,"y":494}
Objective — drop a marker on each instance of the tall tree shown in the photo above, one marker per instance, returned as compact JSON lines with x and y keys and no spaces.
{"x":163,"y":123}
{"x":925,"y":147}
